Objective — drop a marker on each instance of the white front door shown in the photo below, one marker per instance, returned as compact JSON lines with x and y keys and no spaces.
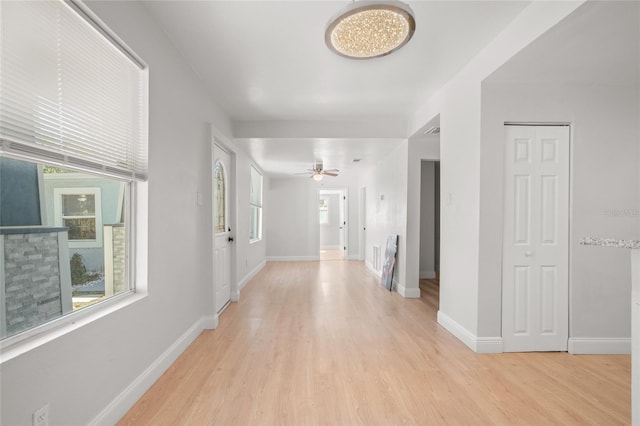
{"x":221,"y":228}
{"x":535,"y":270}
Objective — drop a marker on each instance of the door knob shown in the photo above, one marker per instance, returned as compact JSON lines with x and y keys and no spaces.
{"x":230,"y":239}
{"x":528,"y":253}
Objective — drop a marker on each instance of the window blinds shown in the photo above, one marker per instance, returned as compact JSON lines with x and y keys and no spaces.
{"x":68,"y":93}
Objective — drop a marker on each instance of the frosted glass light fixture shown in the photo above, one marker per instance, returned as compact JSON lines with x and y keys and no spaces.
{"x":368,"y":29}
{"x":317,"y":177}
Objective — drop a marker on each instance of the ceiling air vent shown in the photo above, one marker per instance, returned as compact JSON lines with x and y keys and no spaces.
{"x":432,"y":131}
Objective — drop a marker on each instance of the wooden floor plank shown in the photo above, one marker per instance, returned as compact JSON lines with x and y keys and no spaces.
{"x":322,"y":343}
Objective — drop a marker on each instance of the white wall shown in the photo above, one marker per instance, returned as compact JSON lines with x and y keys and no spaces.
{"x":386,"y":208}
{"x":427,"y":220}
{"x":419,"y":148}
{"x":604,"y":179}
{"x":330,"y":231}
{"x":603,"y":111}
{"x":82,"y":372}
{"x":459,"y":105}
{"x":250,"y":256}
{"x":604,"y":186}
{"x":292,"y":223}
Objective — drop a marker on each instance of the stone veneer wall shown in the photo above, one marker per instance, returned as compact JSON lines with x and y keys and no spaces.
{"x":32,"y":290}
{"x":119,"y":283}
{"x":114,"y":259}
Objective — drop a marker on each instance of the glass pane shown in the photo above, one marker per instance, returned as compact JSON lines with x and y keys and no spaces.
{"x":37,"y":285}
{"x":81,"y":229}
{"x":255,"y":193}
{"x":78,"y":205}
{"x":220,"y":207}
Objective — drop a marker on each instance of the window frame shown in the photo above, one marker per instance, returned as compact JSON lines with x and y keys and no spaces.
{"x":59,"y":217}
{"x":255,"y":206}
{"x":135,"y":215}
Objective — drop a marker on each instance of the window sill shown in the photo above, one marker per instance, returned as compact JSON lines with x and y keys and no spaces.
{"x":256,"y":240}
{"x":24,"y":342}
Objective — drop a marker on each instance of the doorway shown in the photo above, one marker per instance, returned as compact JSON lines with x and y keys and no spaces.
{"x":535,"y":271}
{"x":429,"y":219}
{"x":332,"y":215}
{"x":222,"y":226}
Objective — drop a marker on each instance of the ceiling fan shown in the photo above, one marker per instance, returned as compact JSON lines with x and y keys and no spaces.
{"x":318,"y":172}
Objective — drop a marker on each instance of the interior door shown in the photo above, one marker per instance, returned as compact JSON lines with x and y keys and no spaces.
{"x":343,"y":224}
{"x":535,"y":274}
{"x":363,"y":223}
{"x":221,"y":228}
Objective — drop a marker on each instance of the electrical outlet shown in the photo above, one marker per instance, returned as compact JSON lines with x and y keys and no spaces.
{"x":41,"y":416}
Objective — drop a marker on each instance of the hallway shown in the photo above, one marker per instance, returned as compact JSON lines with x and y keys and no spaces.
{"x":323,"y":343}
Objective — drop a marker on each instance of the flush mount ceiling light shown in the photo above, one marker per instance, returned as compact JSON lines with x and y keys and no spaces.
{"x":368,"y":29}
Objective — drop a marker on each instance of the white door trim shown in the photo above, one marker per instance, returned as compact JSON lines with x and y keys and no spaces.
{"x":343,"y":192}
{"x":532,"y":249}
{"x":223,"y":142}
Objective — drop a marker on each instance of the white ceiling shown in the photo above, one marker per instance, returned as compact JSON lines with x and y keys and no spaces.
{"x":266,"y":60}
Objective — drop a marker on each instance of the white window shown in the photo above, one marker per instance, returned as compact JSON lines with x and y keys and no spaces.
{"x":324,"y":211}
{"x":74,"y":105}
{"x":80,"y":211}
{"x":255,"y":206}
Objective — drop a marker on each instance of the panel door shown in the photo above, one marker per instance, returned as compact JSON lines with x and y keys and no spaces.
{"x":535,"y":273}
{"x":221,"y":229}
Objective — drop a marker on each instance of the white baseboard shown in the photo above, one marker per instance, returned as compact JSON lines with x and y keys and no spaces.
{"x":484,"y":345}
{"x":291,"y":258}
{"x":338,"y":247}
{"x":427,"y":275}
{"x":453,"y":327}
{"x":601,"y":345}
{"x":489,"y":345}
{"x":409,"y":293}
{"x":132,"y":393}
{"x":209,"y":322}
{"x":252,"y":273}
{"x":369,"y":265}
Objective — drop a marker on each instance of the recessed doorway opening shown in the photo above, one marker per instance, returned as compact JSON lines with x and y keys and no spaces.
{"x":332,"y":214}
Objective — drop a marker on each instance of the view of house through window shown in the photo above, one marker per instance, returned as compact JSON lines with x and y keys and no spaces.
{"x":73,"y":150}
{"x":63,"y":242}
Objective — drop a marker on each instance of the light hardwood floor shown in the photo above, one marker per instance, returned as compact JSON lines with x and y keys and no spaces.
{"x":322,"y":343}
{"x":331,"y":254}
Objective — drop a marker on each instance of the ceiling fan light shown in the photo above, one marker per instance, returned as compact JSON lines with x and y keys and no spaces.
{"x":317,"y":177}
{"x":369,"y":29}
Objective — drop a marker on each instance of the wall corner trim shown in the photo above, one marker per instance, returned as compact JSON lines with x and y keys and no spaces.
{"x":409,"y":293}
{"x":599,"y":345}
{"x":453,"y":327}
{"x":483,"y":345}
{"x":134,"y":391}
{"x":489,"y":345}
